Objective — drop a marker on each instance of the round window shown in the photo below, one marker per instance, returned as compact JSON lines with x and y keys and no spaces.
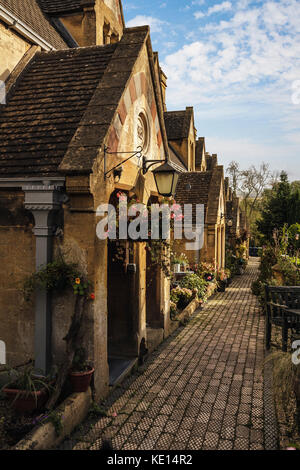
{"x":143,"y":132}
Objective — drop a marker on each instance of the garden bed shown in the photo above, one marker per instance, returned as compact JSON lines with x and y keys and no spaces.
{"x":184,"y":315}
{"x":13,"y":427}
{"x":19,"y":432}
{"x":289,"y":435}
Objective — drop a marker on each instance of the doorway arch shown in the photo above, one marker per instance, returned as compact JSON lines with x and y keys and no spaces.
{"x":122,"y":305}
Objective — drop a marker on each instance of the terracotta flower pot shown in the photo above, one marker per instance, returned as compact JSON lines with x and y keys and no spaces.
{"x":80,"y":381}
{"x":26,"y":402}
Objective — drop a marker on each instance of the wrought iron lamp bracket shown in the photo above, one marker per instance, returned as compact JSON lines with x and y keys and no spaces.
{"x":133,"y":153}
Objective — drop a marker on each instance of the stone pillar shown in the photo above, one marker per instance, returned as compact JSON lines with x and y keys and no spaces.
{"x":42,"y":201}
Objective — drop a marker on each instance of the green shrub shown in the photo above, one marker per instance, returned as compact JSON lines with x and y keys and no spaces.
{"x":268,"y":260}
{"x":291,"y":274}
{"x":194,"y":283}
{"x":173,"y":309}
{"x":257,"y":287}
{"x":181,"y":296}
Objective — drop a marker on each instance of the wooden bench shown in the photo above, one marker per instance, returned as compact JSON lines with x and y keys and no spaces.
{"x":282,"y":309}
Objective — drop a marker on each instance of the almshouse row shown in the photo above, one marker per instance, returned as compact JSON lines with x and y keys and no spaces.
{"x":78,"y":82}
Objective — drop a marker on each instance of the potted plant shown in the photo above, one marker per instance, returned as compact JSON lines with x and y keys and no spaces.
{"x":81,"y":372}
{"x":222,"y":280}
{"x":176,"y":264}
{"x":27,"y":390}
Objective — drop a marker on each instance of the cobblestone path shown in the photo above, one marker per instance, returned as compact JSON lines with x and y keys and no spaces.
{"x":202,"y":389}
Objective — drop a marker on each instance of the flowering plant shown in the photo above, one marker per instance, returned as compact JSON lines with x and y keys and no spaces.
{"x":196,"y":284}
{"x":222,"y":275}
{"x":181,"y":296}
{"x":58,"y":276}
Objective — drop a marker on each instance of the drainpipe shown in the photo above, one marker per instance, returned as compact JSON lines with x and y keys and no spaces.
{"x":43,"y":200}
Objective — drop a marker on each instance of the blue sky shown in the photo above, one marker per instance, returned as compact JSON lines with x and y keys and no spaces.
{"x":236,"y":62}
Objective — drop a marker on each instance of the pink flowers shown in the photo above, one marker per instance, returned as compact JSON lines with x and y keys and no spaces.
{"x":121,"y":196}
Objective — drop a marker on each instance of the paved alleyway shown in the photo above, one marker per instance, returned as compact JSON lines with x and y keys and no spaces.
{"x":202,"y":389}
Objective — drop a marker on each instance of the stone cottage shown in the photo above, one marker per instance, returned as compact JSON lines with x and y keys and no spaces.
{"x":69,"y":116}
{"x":206,"y":188}
{"x":201,"y":182}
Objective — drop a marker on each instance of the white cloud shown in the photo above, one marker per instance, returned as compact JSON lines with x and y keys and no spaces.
{"x":244,"y":65}
{"x":218,"y":8}
{"x":155,"y":24}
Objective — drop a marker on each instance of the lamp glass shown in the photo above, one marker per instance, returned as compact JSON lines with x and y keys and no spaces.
{"x":165,"y":183}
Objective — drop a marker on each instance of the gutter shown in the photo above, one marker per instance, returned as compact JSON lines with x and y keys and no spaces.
{"x":13,"y":22}
{"x":21,"y":182}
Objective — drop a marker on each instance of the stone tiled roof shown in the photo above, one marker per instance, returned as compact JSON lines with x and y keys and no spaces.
{"x":30,"y":13}
{"x":55,"y":7}
{"x":193,"y":188}
{"x":62,"y":106}
{"x":40,"y":119}
{"x":175,"y":158}
{"x":178,"y":124}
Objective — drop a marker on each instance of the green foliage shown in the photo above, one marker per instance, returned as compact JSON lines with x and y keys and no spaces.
{"x":195,"y":283}
{"x":173,"y":309}
{"x":57,"y":276}
{"x":280,"y":206}
{"x":160,"y":255}
{"x":181,"y":297}
{"x":97,"y":411}
{"x":294,"y":238}
{"x":80,"y":362}
{"x":27,"y":380}
{"x":284,"y":376}
{"x":57,"y":420}
{"x":289,"y":271}
{"x":268,"y":259}
{"x":257,"y":288}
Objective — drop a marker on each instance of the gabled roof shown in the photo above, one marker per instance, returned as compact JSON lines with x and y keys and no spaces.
{"x":176,"y":159}
{"x":30,"y":13}
{"x":62,"y":7}
{"x":56,"y":7}
{"x":201,"y":188}
{"x":215,"y":191}
{"x":40,"y":119}
{"x":193,"y":188}
{"x":178,"y":123}
{"x":62,"y":107}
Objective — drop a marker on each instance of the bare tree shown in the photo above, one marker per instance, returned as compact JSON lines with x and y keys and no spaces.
{"x":253,"y":183}
{"x":234,"y":171}
{"x":250,"y":184}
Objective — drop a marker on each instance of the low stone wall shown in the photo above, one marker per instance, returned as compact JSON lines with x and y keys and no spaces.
{"x":190,"y":309}
{"x":73,"y":411}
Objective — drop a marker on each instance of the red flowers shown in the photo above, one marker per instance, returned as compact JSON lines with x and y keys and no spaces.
{"x":92,"y":296}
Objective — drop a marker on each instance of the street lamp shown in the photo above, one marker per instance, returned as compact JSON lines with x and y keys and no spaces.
{"x":166,"y":175}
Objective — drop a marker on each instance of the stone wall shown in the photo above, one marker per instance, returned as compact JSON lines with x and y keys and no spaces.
{"x":12,"y":49}
{"x":17,"y":256}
